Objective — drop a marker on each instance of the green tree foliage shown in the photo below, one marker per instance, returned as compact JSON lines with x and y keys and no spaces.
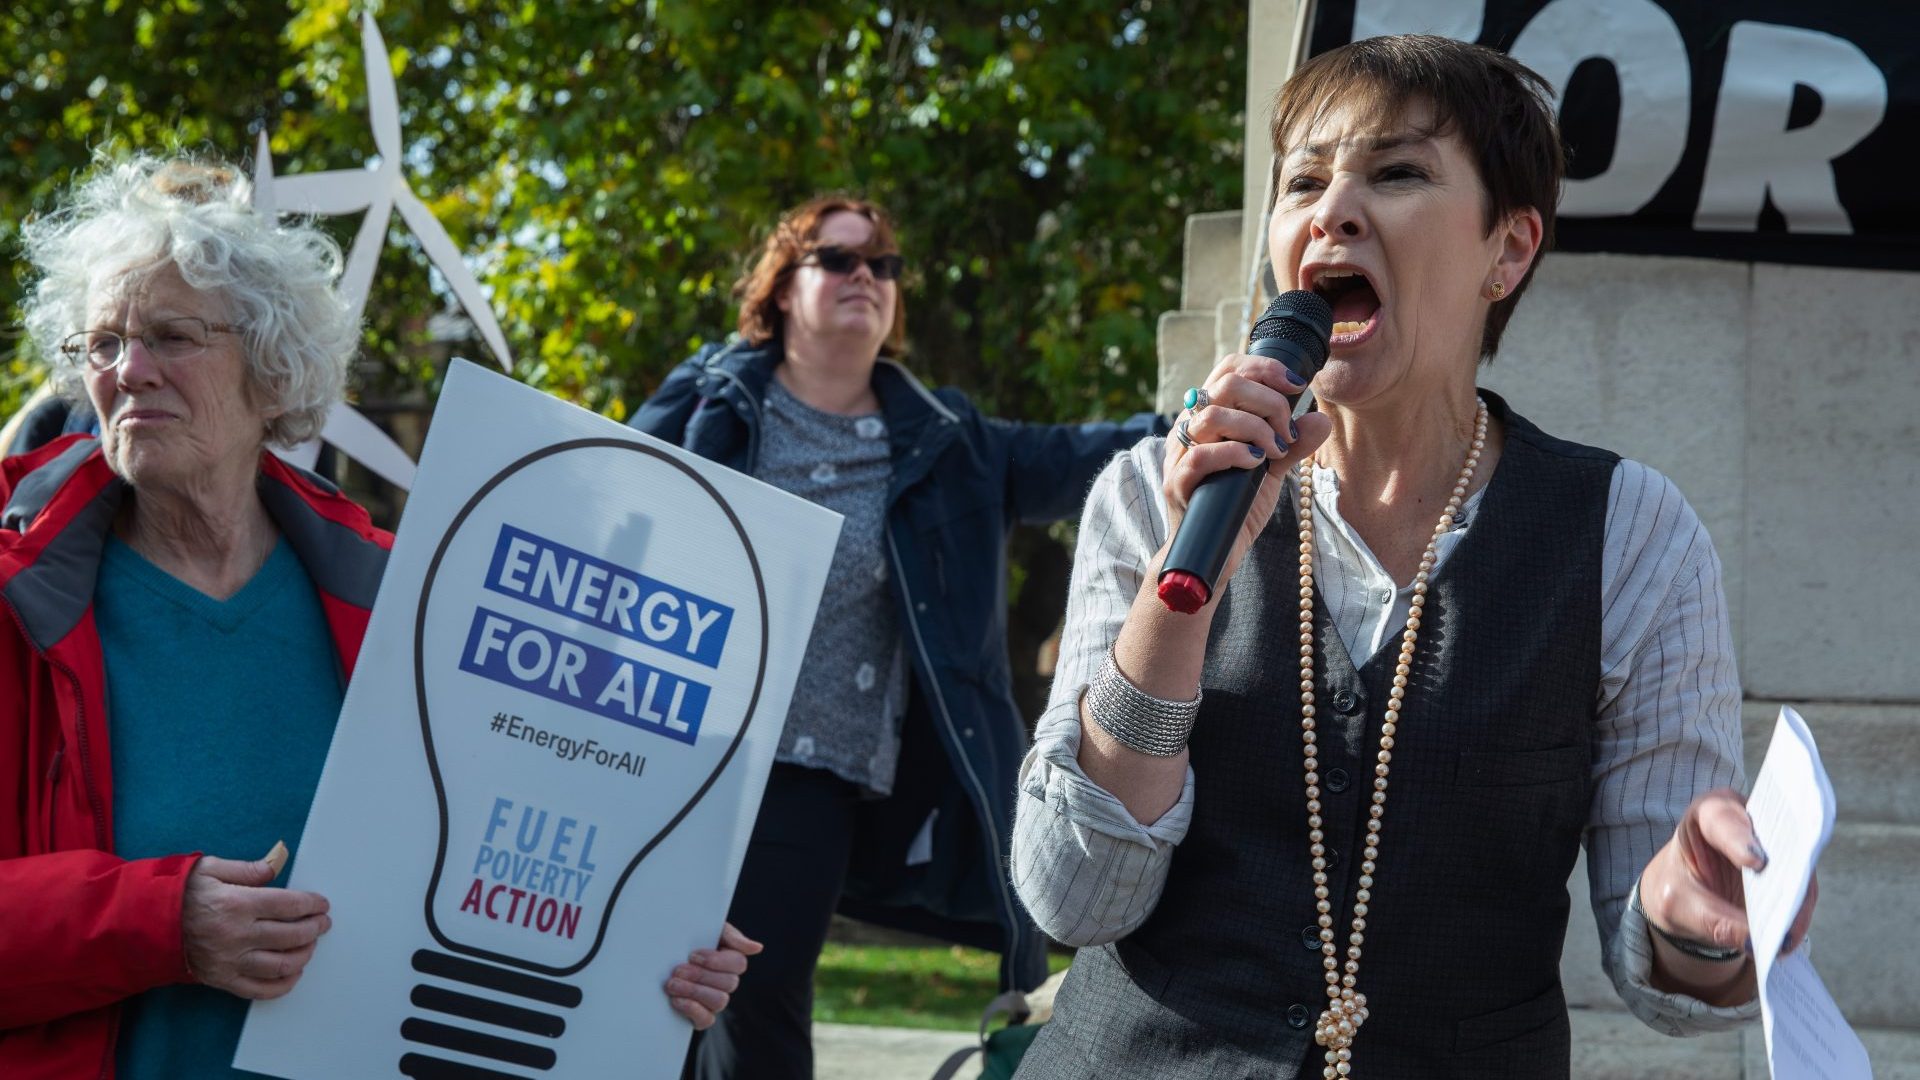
{"x":607,"y":166}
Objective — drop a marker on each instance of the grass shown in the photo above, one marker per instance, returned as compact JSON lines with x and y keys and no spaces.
{"x":942,"y":987}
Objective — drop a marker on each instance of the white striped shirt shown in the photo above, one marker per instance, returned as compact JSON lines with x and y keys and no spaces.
{"x":1666,"y":727}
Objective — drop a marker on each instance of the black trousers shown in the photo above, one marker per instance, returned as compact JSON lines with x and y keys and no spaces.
{"x":789,"y":885}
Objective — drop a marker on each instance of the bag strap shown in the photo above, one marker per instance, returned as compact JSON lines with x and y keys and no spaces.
{"x":951,"y":1067}
{"x":1012,"y":1004}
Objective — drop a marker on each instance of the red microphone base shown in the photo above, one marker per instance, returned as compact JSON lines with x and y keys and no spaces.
{"x":1182,"y":592}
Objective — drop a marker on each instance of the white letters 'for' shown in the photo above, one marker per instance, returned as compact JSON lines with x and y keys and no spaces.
{"x":1754,"y":154}
{"x":1649,"y":57}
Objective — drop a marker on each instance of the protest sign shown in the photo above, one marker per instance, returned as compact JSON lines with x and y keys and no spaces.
{"x":552,"y":751}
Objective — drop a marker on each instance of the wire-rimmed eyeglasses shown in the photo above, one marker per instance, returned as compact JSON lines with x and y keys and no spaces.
{"x":181,"y":338}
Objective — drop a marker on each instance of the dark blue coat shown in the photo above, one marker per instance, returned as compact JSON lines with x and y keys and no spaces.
{"x":960,"y":482}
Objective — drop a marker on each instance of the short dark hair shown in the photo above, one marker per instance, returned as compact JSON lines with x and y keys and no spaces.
{"x":790,"y":241}
{"x":1501,"y":109}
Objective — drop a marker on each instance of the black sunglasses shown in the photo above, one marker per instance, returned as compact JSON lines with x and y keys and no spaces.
{"x":839,"y":260}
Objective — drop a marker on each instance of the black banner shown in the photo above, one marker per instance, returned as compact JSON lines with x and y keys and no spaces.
{"x":1759,"y":130}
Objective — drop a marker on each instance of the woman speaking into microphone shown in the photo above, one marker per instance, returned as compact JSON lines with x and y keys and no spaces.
{"x":1322,"y":825}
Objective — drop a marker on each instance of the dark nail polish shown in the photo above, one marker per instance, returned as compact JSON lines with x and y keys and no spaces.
{"x":1754,"y":849}
{"x":1293,"y":429}
{"x":1295,"y":379}
{"x":1256,"y":451}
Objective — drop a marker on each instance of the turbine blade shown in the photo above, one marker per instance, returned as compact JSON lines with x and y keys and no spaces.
{"x":342,"y":191}
{"x":440,"y":248}
{"x":383,"y":101}
{"x":263,"y":203}
{"x":358,"y":438}
{"x":365,"y":257}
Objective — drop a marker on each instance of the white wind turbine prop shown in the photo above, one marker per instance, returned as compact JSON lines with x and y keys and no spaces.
{"x":379,"y":192}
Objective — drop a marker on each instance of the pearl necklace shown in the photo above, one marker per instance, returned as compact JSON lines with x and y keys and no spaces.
{"x":1346,"y":1008}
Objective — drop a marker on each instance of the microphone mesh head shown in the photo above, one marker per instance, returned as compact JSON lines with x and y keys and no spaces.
{"x":1300,"y":317}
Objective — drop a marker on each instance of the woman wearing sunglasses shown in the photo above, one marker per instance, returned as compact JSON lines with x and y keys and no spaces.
{"x":892,"y":794}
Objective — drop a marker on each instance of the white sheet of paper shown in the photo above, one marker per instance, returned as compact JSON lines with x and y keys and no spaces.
{"x":552,"y":751}
{"x":1806,"y":1035}
{"x":1792,"y":810}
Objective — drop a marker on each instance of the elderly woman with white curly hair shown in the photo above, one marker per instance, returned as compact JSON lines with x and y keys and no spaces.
{"x":183,"y":611}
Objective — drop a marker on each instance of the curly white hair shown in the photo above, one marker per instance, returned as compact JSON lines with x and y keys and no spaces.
{"x":139,"y":215}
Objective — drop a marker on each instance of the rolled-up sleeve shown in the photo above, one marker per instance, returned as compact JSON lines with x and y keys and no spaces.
{"x":1086,"y":869}
{"x":1668,"y":726}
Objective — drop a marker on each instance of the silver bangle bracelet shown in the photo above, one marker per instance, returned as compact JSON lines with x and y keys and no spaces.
{"x":1138,"y":720}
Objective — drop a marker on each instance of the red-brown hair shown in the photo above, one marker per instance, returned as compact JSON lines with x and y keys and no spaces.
{"x":790,"y":241}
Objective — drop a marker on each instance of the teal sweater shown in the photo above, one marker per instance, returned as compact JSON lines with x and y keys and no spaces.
{"x":219,"y":718}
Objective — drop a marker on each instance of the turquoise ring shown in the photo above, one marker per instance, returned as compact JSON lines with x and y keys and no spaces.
{"x":1197,"y":398}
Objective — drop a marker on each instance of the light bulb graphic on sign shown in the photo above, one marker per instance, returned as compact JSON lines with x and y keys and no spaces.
{"x":620,"y":664}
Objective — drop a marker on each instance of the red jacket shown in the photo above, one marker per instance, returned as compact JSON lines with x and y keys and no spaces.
{"x":80,"y":929}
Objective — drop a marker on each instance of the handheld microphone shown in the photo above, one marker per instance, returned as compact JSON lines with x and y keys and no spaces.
{"x":1295,"y":331}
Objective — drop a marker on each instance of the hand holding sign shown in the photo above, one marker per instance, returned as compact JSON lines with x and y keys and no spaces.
{"x":243,"y":937}
{"x":701,"y":987}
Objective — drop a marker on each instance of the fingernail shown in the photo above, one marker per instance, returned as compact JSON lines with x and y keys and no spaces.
{"x":1754,"y":849}
{"x":1295,"y":379}
{"x":1293,"y":429}
{"x":1256,"y":451}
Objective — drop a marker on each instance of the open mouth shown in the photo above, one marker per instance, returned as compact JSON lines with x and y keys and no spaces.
{"x":1355,"y":304}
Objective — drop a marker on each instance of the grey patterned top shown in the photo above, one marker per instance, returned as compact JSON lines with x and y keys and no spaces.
{"x":846,"y":709}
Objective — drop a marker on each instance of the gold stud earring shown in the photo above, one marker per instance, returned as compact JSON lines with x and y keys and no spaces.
{"x":1498,"y":289}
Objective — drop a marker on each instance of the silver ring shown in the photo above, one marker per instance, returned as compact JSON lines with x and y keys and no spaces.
{"x":1197,"y":398}
{"x":1180,"y":432}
